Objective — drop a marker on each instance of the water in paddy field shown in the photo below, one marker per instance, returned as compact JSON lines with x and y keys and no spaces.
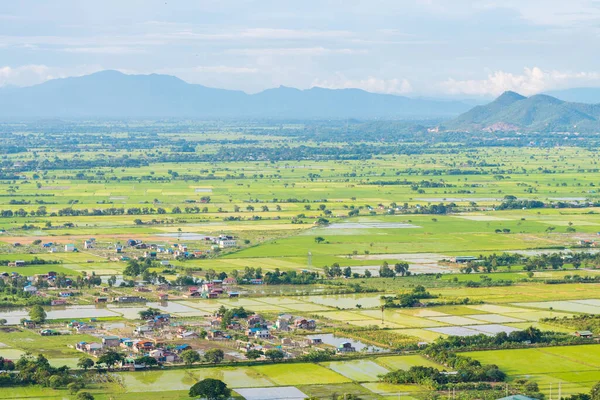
{"x":184,"y":236}
{"x":370,"y":225}
{"x":332,"y":340}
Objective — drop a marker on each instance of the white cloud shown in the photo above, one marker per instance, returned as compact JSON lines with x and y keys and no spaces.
{"x":27,"y":75}
{"x":104,"y":50}
{"x":370,"y":84}
{"x":224,"y":69}
{"x":531,"y":81}
{"x":550,"y":12}
{"x":189,"y":73}
{"x":294,"y":51}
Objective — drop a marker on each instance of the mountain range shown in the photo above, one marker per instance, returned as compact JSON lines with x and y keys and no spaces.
{"x":112,"y":94}
{"x":540,"y":113}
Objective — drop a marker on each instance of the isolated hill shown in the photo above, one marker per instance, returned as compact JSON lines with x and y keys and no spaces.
{"x":112,"y":94}
{"x":513,"y":112}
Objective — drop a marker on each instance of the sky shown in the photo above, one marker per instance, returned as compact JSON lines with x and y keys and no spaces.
{"x":432,"y":48}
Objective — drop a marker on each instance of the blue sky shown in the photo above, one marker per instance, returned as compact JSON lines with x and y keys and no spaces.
{"x":416,"y":48}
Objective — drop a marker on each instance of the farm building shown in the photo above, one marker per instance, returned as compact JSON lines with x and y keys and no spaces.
{"x":29,"y":324}
{"x":17,"y":263}
{"x":69,"y":247}
{"x":584,"y":334}
{"x":346,"y":347}
{"x":30,"y":289}
{"x":224,"y":244}
{"x":111,"y":341}
{"x":129,"y":299}
{"x":463,"y":259}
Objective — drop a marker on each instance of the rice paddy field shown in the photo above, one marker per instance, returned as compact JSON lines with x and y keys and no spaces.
{"x":575,"y":368}
{"x":378,"y":209}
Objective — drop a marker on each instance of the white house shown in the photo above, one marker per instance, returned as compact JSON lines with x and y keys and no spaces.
{"x":30,"y":289}
{"x":69,"y":247}
{"x":225,"y":243}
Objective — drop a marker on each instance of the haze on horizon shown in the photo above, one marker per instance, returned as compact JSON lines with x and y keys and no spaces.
{"x":436,"y":48}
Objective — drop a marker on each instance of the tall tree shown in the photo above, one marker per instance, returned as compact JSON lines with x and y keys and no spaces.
{"x":210,"y":389}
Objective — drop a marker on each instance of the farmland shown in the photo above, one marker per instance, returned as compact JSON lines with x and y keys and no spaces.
{"x":303,"y":227}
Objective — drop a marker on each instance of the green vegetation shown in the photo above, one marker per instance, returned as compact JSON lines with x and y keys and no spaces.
{"x":401,"y":241}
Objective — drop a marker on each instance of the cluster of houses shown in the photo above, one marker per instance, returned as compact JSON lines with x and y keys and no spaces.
{"x":135,"y":348}
{"x":255,"y":327}
{"x":33,"y":282}
{"x":177,"y":249}
{"x":213,"y":289}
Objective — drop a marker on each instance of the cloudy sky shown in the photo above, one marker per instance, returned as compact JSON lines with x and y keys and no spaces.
{"x":411,"y":47}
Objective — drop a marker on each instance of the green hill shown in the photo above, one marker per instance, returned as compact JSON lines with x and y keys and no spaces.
{"x":543,"y":113}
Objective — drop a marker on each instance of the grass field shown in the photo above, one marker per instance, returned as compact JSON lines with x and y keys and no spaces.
{"x":575,"y":368}
{"x":271,"y":206}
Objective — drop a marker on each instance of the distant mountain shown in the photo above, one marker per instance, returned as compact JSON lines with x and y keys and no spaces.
{"x":111,"y":94}
{"x":589,"y":95}
{"x":513,"y":112}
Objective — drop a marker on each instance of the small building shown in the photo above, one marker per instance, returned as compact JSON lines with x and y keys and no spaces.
{"x":84,"y":328}
{"x":345,"y":347}
{"x":30,"y":289}
{"x":303,"y":323}
{"x":118,"y":248}
{"x":29,"y":324}
{"x":58,"y":302}
{"x":101,"y":300}
{"x":130,"y":299}
{"x":140,"y":330}
{"x":282,"y":324}
{"x":215,"y":334}
{"x":163,"y":296}
{"x":234,"y":294}
{"x":49,"y":332}
{"x":584,"y":334}
{"x":17,"y":263}
{"x":463,"y":259}
{"x":88,"y":244}
{"x":517,"y":397}
{"x":229,"y":281}
{"x":255,"y":319}
{"x":69,"y":247}
{"x":89,"y":347}
{"x":258,"y":333}
{"x":182,"y":347}
{"x":111,"y":341}
{"x":188,"y":335}
{"x":227,"y":243}
{"x":256,"y":281}
{"x":150,"y":254}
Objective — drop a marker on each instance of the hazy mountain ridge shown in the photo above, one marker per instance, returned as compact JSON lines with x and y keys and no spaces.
{"x":512,"y":111}
{"x":113,"y":94}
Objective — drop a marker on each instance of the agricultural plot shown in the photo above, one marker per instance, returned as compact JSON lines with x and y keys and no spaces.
{"x":358,"y":370}
{"x":298,"y":374}
{"x":278,"y":393}
{"x":579,"y":306}
{"x":575,"y":368}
